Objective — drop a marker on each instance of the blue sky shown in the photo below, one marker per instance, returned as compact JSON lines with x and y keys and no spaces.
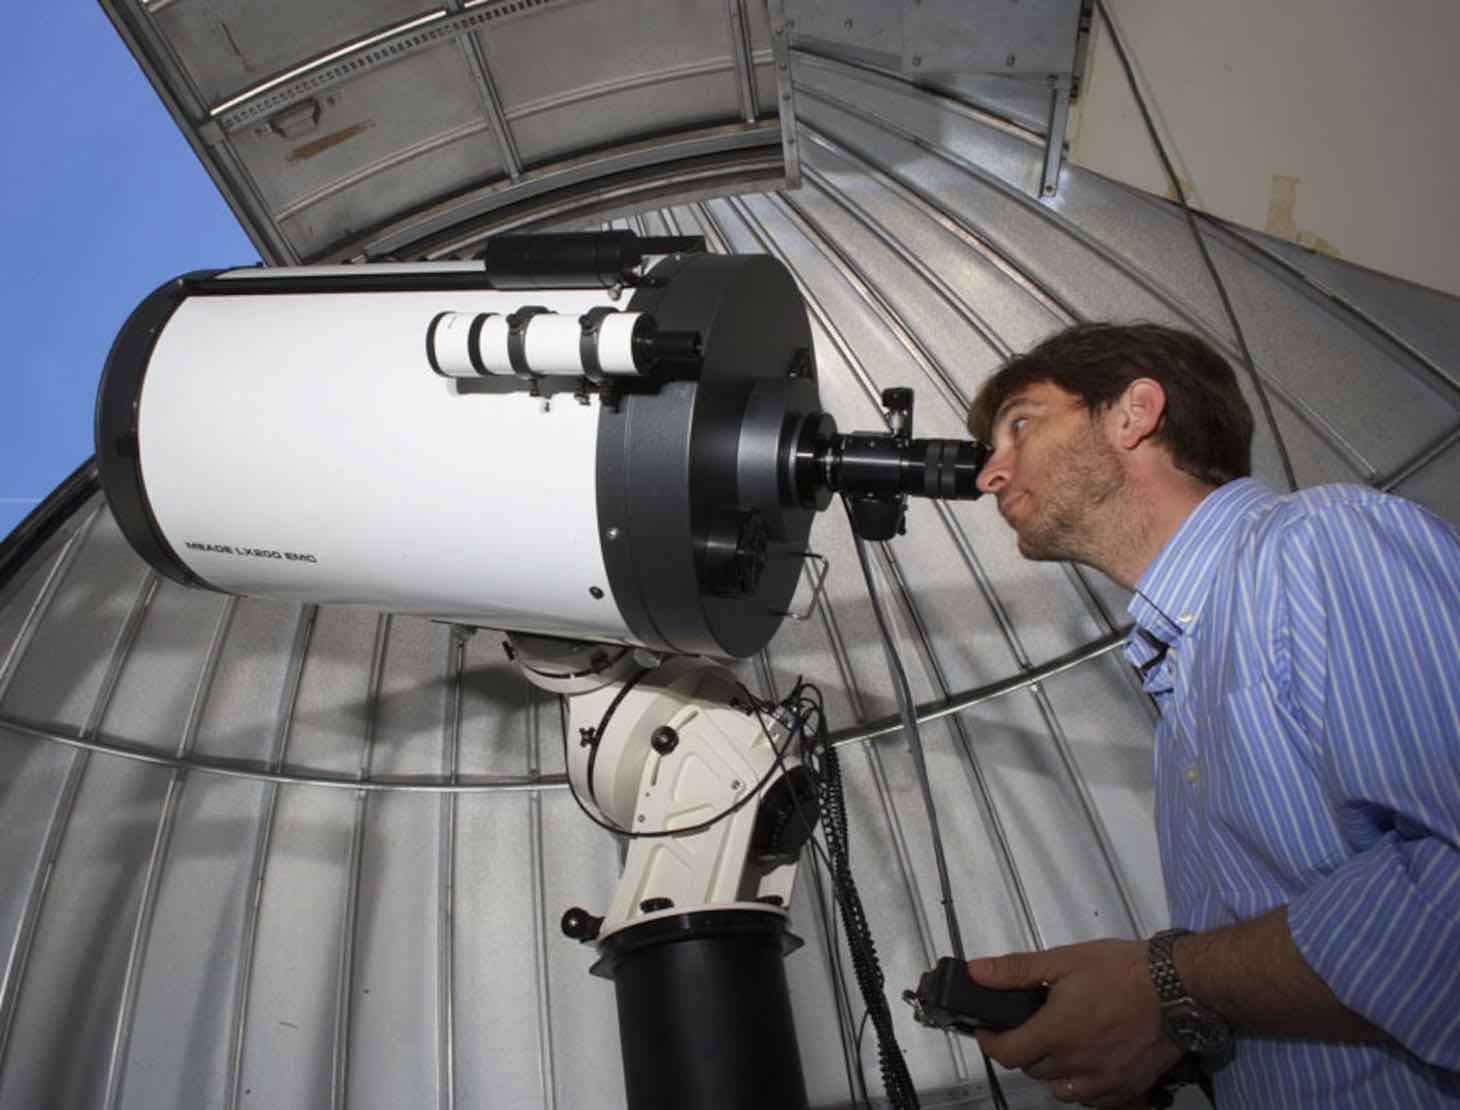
{"x":101,"y":201}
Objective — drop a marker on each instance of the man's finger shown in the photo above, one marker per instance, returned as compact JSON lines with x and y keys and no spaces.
{"x":1010,"y":971}
{"x":1020,"y":1047}
{"x":1043,"y":1068}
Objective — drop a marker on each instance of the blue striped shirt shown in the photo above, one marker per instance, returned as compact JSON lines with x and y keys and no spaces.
{"x":1308,"y":754}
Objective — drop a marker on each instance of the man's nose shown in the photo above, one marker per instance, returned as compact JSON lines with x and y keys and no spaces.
{"x":995,"y":474}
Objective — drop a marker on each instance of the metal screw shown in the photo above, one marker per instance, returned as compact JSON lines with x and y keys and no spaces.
{"x":596,"y":592}
{"x":613,"y":533}
{"x":917,"y":59}
{"x":1010,"y":60}
{"x":734,"y":784}
{"x":640,"y":818}
{"x":848,"y":25}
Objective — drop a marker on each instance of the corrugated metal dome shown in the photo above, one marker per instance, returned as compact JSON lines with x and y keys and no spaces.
{"x":258,"y":854}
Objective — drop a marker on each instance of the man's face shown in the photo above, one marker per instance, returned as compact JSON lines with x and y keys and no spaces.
{"x":1052,"y":471}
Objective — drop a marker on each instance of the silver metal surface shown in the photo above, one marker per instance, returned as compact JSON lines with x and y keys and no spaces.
{"x":264,"y":854}
{"x":744,"y":63}
{"x":328,"y":128}
{"x":471,"y":50}
{"x":990,"y":36}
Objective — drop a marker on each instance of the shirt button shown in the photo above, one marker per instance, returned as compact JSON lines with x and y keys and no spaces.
{"x":1186,"y":618}
{"x":1192,"y":774}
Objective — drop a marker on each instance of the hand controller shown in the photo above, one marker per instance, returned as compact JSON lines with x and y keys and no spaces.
{"x":948,"y":998}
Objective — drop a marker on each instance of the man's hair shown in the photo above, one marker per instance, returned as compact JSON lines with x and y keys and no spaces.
{"x":1207,"y":426}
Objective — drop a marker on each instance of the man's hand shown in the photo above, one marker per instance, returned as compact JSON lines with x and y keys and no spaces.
{"x":1098,"y":1039}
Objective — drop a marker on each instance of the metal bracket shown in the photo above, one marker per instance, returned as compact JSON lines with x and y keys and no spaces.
{"x":785,"y":92}
{"x":818,"y":587}
{"x":1054,"y":142}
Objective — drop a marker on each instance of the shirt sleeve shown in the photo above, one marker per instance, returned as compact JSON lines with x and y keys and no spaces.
{"x":1372,"y":623}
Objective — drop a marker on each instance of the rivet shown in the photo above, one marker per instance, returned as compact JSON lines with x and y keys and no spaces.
{"x":596,"y":592}
{"x":613,"y":533}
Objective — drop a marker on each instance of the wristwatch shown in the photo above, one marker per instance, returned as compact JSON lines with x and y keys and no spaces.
{"x":1190,"y":1025}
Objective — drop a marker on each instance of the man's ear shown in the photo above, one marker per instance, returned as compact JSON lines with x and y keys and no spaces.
{"x":1138,"y":412}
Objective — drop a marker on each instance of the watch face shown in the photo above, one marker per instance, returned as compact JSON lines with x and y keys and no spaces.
{"x":1196,"y":1029}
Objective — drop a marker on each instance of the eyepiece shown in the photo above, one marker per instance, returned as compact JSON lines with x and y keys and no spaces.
{"x":877,"y":471}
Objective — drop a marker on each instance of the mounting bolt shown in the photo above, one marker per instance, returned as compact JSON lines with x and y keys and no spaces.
{"x":613,"y":533}
{"x":734,"y":784}
{"x":847,"y":24}
{"x":917,"y":59}
{"x":1010,"y":60}
{"x":596,"y":592}
{"x":664,"y":740}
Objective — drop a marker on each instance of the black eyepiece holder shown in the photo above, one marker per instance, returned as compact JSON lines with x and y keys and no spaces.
{"x":877,"y":471}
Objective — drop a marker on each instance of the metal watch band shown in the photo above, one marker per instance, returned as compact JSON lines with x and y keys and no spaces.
{"x":1162,"y":966}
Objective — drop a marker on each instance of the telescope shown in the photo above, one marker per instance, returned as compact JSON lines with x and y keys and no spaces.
{"x":611,"y":448}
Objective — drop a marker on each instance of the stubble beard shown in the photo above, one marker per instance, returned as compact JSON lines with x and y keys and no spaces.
{"x":1073,"y":519}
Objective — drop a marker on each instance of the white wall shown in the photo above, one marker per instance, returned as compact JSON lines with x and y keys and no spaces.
{"x":1330,"y":123}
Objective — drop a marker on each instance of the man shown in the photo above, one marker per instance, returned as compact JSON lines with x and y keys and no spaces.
{"x":1304,"y":653}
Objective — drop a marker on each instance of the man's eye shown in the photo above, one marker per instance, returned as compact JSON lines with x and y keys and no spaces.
{"x":1017,"y":424}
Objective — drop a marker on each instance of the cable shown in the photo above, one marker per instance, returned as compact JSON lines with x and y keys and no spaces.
{"x":915,"y":744}
{"x":914,"y":737}
{"x":825,"y":765}
{"x":821,"y":761}
{"x":839,"y":992}
{"x":1257,"y":385}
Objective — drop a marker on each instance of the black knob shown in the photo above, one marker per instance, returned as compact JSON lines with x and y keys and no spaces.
{"x":664,"y":740}
{"x":579,"y":924}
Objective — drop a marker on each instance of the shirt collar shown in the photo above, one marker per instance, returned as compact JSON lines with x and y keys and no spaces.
{"x":1169,"y":597}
